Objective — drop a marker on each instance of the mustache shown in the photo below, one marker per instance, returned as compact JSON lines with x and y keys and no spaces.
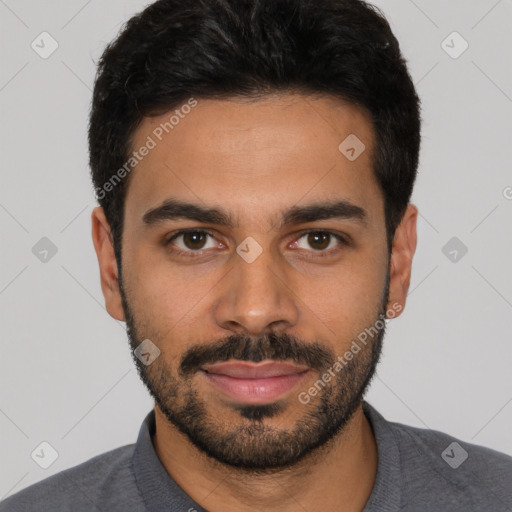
{"x":277,"y":347}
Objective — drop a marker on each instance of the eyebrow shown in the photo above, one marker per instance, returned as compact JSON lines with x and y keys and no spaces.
{"x":173,"y":209}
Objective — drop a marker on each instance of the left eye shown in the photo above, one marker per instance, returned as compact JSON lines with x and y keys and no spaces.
{"x":319,"y":240}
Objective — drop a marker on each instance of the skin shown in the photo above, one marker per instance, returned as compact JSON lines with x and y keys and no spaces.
{"x":256,"y":160}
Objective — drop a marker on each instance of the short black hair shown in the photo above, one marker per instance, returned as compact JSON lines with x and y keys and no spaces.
{"x":175,"y":50}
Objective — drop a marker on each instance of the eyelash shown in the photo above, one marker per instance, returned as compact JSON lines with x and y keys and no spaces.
{"x":318,"y":254}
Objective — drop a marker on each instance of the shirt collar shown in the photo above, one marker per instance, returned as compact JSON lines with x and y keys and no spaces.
{"x":161,"y":493}
{"x":386,"y":492}
{"x":158,"y":490}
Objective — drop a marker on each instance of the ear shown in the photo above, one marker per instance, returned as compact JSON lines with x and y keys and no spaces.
{"x":404,"y":247}
{"x":101,"y":237}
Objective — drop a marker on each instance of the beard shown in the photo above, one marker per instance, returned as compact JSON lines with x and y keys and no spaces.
{"x":250,"y":443}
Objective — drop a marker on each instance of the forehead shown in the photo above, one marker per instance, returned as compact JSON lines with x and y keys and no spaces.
{"x":249,"y":156}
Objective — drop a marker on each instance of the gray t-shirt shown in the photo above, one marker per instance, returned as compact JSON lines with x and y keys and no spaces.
{"x":418,"y":471}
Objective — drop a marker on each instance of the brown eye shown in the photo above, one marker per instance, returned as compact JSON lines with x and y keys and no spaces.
{"x":320,"y":241}
{"x":192,"y":241}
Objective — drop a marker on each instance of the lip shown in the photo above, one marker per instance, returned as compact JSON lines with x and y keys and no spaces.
{"x":254,"y":383}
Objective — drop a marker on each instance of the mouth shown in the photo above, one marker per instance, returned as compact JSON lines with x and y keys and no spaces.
{"x":254,"y":383}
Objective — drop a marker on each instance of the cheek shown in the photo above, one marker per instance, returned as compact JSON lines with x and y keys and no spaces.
{"x":347,"y":300}
{"x":166,"y":296}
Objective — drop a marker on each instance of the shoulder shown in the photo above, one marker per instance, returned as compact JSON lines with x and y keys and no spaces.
{"x":104,"y":482}
{"x":452,"y":473}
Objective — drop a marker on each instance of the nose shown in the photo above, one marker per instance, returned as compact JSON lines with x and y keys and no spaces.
{"x":255,"y":298}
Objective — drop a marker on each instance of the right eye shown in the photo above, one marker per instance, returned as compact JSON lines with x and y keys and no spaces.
{"x":190,"y":241}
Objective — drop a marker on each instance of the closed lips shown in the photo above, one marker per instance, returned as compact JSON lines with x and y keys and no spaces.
{"x":247,"y":370}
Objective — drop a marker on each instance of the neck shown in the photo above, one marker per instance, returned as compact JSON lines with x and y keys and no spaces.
{"x":338,"y":476}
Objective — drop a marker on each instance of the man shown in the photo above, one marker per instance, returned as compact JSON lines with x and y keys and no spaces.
{"x":254,"y":162}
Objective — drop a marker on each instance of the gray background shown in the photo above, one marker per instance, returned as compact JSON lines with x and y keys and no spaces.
{"x":66,"y":375}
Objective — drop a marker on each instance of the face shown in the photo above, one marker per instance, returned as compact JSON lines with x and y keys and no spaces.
{"x":254,"y":256}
